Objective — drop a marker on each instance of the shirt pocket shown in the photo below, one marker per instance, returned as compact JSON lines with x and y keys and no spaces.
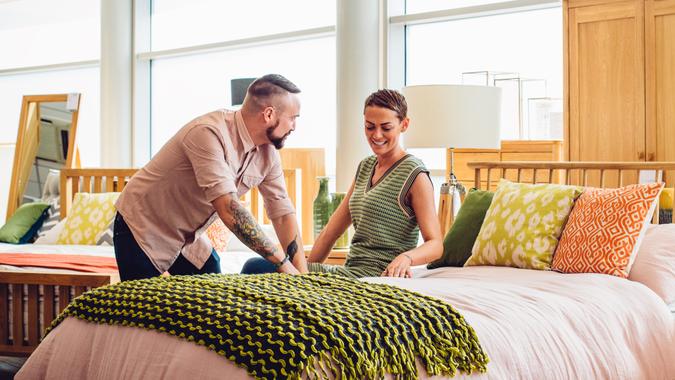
{"x":248,"y":182}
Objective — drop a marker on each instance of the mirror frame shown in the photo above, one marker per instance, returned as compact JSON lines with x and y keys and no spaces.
{"x":72,"y":158}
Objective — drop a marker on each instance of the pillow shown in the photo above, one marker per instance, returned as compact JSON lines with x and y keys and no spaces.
{"x":219,"y":235}
{"x":52,"y":235}
{"x":235,"y":245}
{"x":654,"y":264}
{"x":22,"y":227}
{"x":523,"y":224}
{"x":53,"y":218}
{"x":460,"y":238}
{"x":105,"y":237}
{"x":87,"y":218}
{"x":605,"y":228}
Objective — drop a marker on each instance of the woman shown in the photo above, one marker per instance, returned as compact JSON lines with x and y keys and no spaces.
{"x":388,"y":203}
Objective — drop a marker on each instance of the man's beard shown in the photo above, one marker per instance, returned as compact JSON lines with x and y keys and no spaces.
{"x":278,"y":142}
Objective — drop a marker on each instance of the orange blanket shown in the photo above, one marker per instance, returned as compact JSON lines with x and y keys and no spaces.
{"x":81,"y":263}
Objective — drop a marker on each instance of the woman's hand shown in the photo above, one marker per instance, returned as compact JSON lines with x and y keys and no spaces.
{"x":399,"y":267}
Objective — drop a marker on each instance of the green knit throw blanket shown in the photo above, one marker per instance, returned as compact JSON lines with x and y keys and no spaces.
{"x":279,"y":326}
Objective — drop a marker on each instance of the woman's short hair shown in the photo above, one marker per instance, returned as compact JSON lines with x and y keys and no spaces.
{"x":389,"y":99}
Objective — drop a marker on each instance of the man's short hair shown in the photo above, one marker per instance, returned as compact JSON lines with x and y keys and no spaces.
{"x":389,"y":99}
{"x":268,"y":86}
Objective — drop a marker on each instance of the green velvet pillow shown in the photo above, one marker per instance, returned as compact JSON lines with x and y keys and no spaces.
{"x":459,"y":241}
{"x":24,"y":224}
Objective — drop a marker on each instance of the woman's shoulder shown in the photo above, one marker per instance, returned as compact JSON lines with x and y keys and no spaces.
{"x":367,"y":162}
{"x":414,"y":162}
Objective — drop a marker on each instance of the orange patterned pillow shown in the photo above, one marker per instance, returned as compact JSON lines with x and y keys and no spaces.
{"x":604,"y":230}
{"x":219,"y":235}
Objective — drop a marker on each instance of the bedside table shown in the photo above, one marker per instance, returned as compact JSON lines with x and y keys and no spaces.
{"x":337,"y":256}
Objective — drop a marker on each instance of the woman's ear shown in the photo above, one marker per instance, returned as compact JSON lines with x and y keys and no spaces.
{"x":404,"y":124}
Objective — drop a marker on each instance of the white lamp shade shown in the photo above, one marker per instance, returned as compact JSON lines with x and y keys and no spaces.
{"x":453,"y":116}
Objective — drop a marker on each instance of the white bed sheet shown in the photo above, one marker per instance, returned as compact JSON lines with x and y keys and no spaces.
{"x":532,"y":324}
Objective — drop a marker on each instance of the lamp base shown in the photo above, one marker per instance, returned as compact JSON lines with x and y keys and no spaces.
{"x":450,"y":201}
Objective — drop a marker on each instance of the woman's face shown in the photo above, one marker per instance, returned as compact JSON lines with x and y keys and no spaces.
{"x":383,"y":129}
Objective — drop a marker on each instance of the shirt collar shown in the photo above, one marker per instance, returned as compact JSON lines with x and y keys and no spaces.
{"x":246,"y":141}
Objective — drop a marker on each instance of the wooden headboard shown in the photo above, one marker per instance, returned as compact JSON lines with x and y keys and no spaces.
{"x":74,"y":181}
{"x":594,"y":174}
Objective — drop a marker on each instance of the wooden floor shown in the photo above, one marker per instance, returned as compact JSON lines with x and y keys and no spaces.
{"x":9,"y":366}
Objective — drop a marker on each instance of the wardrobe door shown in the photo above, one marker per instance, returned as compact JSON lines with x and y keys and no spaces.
{"x":660,"y":81}
{"x":606,"y":83}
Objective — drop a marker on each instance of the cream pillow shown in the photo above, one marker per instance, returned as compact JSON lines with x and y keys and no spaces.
{"x":654,"y":264}
{"x":89,"y":215}
{"x":52,"y":235}
{"x":523,"y":224}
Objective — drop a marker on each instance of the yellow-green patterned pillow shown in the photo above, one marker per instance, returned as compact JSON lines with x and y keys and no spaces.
{"x":523,"y":224}
{"x":88,"y":216}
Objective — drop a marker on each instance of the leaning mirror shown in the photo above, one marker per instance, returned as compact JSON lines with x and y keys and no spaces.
{"x":45,"y":142}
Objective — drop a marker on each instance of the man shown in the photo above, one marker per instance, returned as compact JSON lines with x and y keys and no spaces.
{"x":199,"y":175}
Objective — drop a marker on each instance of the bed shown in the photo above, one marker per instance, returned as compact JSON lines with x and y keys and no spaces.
{"x":532,"y":324}
{"x":32,"y":296}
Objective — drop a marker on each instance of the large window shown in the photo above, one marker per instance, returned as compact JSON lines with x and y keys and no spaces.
{"x":489,"y":42}
{"x":51,"y":48}
{"x":177,"y":23}
{"x":198,"y":82}
{"x":43,"y":32}
{"x":417,"y":6}
{"x":525,"y":47}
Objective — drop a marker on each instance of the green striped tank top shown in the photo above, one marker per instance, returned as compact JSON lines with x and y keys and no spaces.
{"x":384,"y":224}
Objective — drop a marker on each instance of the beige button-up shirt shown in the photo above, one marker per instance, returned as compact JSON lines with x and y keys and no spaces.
{"x":167,"y":204}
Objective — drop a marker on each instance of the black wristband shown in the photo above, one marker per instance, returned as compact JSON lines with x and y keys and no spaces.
{"x":282,"y":262}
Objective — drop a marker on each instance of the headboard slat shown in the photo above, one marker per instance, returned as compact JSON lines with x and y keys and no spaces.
{"x":581,"y":172}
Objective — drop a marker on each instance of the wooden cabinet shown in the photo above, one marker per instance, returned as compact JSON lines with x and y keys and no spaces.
{"x":619,"y":80}
{"x":511,"y":150}
{"x":660,"y":81}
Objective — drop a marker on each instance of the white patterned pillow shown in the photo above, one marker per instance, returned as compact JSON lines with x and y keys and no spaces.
{"x":105,"y":237}
{"x":523,"y":224}
{"x":52,"y":219}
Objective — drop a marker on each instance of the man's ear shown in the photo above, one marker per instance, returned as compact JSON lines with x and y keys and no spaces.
{"x":268,"y":114}
{"x":404,"y":124}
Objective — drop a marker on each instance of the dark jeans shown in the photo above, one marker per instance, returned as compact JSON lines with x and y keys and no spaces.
{"x":258,"y":265}
{"x":134,"y":264}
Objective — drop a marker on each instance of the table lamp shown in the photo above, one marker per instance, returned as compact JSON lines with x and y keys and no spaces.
{"x":452,"y":116}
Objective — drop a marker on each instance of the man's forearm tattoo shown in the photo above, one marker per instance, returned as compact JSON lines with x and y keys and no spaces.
{"x":249,"y":232}
{"x":292,"y":248}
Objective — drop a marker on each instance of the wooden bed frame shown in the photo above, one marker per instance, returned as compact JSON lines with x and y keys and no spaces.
{"x":36,"y":297}
{"x":594,"y":174}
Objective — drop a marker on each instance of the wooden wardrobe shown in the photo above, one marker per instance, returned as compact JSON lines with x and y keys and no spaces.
{"x":619,"y":78}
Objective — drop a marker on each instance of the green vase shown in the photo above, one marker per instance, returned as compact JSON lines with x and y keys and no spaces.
{"x":322,"y":206}
{"x":343,"y":240}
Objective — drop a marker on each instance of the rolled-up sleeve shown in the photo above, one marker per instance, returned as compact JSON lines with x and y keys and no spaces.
{"x":273,"y":190}
{"x":206,"y":153}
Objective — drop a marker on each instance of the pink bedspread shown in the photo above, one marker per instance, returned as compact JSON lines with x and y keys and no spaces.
{"x":533,"y":325}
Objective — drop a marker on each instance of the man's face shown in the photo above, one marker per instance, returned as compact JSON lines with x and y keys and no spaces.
{"x":284,"y":121}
